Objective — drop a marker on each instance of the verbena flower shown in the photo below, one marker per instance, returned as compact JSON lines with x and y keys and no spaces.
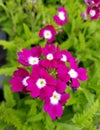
{"x":77,"y":74}
{"x":19,"y":80}
{"x":93,"y":9}
{"x":29,"y":57}
{"x":48,"y":32}
{"x":93,"y":12}
{"x":40,"y":82}
{"x":51,"y":55}
{"x":53,"y":105}
{"x":61,"y":17}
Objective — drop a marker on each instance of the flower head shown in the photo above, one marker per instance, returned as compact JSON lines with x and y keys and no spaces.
{"x":19,"y":80}
{"x":29,"y":57}
{"x":93,"y":12}
{"x":40,"y":83}
{"x":53,"y":105}
{"x":48,"y":33}
{"x":77,"y":74}
{"x":61,"y":18}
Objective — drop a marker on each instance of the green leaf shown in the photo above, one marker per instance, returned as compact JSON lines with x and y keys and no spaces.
{"x":8,"y":95}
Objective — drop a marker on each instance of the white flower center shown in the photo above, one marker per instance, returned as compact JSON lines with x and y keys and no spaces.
{"x":64,"y":58}
{"x":41,"y":83}
{"x":47,"y":34}
{"x":73,"y":73}
{"x":33,"y":60}
{"x":61,"y":15}
{"x":55,"y":98}
{"x":24,"y":81}
{"x":49,"y":56}
{"x":92,"y":12}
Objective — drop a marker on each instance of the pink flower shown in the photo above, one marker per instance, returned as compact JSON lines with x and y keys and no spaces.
{"x":51,"y":55}
{"x":19,"y":80}
{"x":48,"y":32}
{"x":61,"y":18}
{"x":93,"y":12}
{"x":66,"y":57}
{"x":40,"y":83}
{"x":53,"y":105}
{"x":77,"y":74}
{"x":29,"y":57}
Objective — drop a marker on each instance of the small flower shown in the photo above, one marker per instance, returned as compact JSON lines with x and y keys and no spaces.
{"x":66,"y":56}
{"x":77,"y":74}
{"x":53,"y":105}
{"x":61,"y":18}
{"x":19,"y":80}
{"x":40,"y":82}
{"x":29,"y":57}
{"x":48,"y":33}
{"x":51,"y":55}
{"x":93,"y":12}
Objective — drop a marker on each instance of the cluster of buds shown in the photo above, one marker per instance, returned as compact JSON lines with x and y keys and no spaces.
{"x":93,"y":9}
{"x":47,"y":71}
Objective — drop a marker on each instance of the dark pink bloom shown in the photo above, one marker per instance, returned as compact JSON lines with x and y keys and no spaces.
{"x":19,"y":80}
{"x":51,"y":55}
{"x":77,"y":74}
{"x":61,"y":18}
{"x":29,"y":57}
{"x":93,"y":12}
{"x":48,"y":32}
{"x":53,"y":105}
{"x":66,"y":57}
{"x":40,"y":83}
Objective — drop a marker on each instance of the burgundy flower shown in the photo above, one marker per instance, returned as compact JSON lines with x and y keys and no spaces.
{"x":61,"y":18}
{"x":48,"y":32}
{"x":19,"y":80}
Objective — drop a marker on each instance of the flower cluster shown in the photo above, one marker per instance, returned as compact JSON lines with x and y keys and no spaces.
{"x":93,"y":9}
{"x":48,"y":71}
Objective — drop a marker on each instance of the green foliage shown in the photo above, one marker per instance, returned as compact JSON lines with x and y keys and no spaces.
{"x":22,"y":20}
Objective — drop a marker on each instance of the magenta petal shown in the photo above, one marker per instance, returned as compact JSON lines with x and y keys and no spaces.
{"x":46,"y":106}
{"x":17,"y":88}
{"x":60,"y":86}
{"x":62,"y":9}
{"x":75,"y":83}
{"x":64,"y":98}
{"x":82,"y":74}
{"x":52,"y":112}
{"x":21,"y":72}
{"x":46,"y":92}
{"x":59,"y":110}
{"x":41,"y":33}
{"x":35,"y":92}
